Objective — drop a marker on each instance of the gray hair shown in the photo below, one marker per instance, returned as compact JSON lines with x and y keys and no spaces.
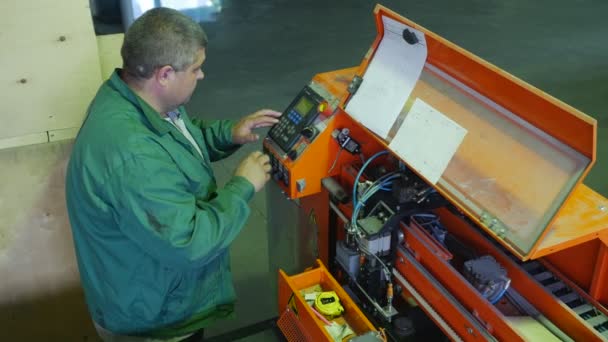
{"x":161,"y":36}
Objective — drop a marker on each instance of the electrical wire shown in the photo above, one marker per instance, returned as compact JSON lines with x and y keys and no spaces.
{"x":369,"y":192}
{"x":382,"y":183}
{"x":335,"y":160}
{"x":383,"y":335}
{"x":431,"y":216}
{"x":361,"y":173}
{"x":502,"y":292}
{"x":431,"y":223}
{"x":387,"y":272}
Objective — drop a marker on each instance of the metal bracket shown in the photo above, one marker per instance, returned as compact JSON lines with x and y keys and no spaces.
{"x":355,"y":84}
{"x":494,"y":224}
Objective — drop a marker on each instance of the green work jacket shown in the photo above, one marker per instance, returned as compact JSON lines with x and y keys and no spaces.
{"x":151,"y":229}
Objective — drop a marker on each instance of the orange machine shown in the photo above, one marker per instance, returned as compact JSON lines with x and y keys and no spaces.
{"x":506,"y":233}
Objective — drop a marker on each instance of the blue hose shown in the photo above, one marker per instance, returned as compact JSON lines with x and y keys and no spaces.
{"x":361,"y":172}
{"x":500,"y":294}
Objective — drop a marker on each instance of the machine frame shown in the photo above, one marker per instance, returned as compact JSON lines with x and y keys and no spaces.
{"x":574,"y":246}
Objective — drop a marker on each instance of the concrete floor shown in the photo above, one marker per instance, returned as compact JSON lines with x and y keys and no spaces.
{"x":262,"y":52}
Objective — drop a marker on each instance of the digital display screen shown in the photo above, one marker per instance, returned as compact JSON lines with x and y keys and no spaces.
{"x":304,"y":106}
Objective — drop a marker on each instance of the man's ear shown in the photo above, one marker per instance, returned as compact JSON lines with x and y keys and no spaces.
{"x":164,"y":74}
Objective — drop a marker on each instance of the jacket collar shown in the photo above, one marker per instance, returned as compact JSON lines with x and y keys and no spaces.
{"x":152,"y":116}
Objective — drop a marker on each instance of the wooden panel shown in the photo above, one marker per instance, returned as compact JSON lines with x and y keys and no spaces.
{"x":28,"y":139}
{"x":63,"y":134}
{"x":49,"y":66}
{"x":40,"y":294}
{"x":109,"y":53}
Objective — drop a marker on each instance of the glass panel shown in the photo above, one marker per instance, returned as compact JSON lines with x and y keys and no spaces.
{"x":512,"y":175}
{"x":199,"y":10}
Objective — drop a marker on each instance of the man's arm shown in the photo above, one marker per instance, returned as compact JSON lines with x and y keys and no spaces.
{"x":224,"y":136}
{"x":217,"y":135}
{"x":156,"y":210}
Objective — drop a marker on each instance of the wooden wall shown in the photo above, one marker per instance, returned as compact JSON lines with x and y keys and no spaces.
{"x":49,"y":69}
{"x":40,"y":294}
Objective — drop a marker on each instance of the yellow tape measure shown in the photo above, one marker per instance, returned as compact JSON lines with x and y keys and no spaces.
{"x":328,"y":304}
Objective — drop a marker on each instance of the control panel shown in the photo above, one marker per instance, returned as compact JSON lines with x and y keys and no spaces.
{"x":297,"y":118}
{"x":294,"y":143}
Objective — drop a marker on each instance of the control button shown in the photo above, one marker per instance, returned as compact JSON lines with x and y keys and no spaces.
{"x":301,"y":184}
{"x":322,"y":106}
{"x":286,"y":178}
{"x":293,"y":154}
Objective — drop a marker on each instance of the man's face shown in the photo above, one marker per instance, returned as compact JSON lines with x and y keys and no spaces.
{"x":184,"y":82}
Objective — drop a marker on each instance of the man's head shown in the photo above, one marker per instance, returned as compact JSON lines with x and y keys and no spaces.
{"x":163,"y":51}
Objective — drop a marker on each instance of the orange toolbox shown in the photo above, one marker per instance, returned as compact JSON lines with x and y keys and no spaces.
{"x":298,"y":321}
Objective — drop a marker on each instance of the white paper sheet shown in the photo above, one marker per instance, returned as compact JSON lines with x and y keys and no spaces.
{"x":389,"y":79}
{"x":427,"y":140}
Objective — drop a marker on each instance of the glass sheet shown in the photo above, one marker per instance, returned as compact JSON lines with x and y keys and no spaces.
{"x":510,"y":174}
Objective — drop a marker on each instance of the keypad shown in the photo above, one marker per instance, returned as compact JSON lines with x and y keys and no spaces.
{"x":288,"y":130}
{"x":294,"y":116}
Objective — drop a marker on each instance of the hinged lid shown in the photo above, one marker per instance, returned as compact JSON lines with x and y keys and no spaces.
{"x":523,"y":154}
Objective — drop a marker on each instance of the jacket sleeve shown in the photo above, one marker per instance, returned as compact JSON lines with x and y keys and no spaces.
{"x":156,"y":209}
{"x":217,"y":135}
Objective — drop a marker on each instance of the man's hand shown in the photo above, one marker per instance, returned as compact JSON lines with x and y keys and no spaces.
{"x":243,"y":131}
{"x":256,"y":169}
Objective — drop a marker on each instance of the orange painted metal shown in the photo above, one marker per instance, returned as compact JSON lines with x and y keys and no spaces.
{"x":290,"y":297}
{"x":458,"y":287}
{"x":425,"y":238}
{"x":576,"y":263}
{"x":292,"y":328}
{"x":571,"y":245}
{"x":556,"y":311}
{"x":584,"y":293}
{"x":582,"y":218}
{"x":579,"y":221}
{"x":530,"y":103}
{"x":314,"y":164}
{"x":311,"y":166}
{"x":599,"y":283}
{"x":448,"y":311}
{"x":336,"y":82}
{"x":584,"y":266}
{"x":544,"y":301}
{"x":316,"y":210}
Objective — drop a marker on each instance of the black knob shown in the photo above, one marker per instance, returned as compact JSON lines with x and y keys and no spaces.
{"x":293,"y":154}
{"x":309,"y":132}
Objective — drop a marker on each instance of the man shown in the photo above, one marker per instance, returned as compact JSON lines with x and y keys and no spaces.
{"x":150,"y":226}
